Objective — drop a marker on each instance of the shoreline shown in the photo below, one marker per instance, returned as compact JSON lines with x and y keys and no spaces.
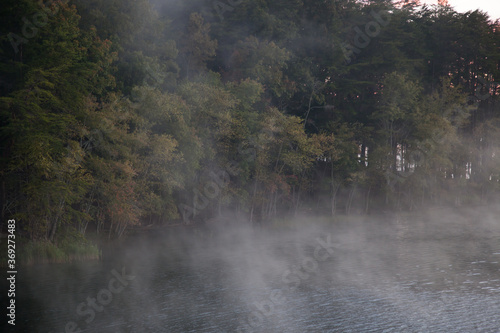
{"x":90,"y":248}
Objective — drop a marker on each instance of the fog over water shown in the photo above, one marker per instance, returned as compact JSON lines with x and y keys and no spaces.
{"x":439,"y":272}
{"x":250,"y":166}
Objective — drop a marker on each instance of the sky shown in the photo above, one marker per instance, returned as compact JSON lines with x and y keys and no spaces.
{"x":492,"y":7}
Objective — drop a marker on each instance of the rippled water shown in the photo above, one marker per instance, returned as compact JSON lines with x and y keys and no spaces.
{"x":391,"y":276}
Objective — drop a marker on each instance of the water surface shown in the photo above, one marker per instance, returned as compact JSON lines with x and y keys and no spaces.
{"x":391,"y":275}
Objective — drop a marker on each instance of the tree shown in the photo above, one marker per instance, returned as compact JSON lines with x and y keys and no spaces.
{"x":196,"y":46}
{"x":43,"y":118}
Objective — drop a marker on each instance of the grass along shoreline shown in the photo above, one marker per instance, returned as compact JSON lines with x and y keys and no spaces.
{"x":29,"y":252}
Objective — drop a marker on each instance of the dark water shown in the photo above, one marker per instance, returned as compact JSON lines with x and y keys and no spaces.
{"x":389,"y":276}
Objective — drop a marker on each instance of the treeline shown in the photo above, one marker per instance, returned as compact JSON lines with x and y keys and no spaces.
{"x":128,"y":112}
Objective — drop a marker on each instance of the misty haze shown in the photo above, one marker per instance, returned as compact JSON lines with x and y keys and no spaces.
{"x":249,"y":166}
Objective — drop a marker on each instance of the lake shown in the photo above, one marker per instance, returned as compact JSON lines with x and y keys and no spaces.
{"x":436,"y":273}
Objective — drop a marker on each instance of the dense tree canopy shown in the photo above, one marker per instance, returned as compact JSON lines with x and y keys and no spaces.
{"x":119,"y":113}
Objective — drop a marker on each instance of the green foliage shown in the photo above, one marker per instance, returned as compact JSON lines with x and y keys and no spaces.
{"x":115,"y":113}
{"x":196,"y":45}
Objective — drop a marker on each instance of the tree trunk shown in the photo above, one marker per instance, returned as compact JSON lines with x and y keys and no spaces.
{"x":55,"y":223}
{"x":367,"y":204}
{"x":297,"y":203}
{"x":253,"y":201}
{"x":335,"y":190}
{"x":349,"y":201}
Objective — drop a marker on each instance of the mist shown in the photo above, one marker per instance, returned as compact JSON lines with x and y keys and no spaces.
{"x":249,"y":166}
{"x":436,"y":270}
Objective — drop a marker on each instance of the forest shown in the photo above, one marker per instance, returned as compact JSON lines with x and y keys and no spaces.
{"x":119,"y":114}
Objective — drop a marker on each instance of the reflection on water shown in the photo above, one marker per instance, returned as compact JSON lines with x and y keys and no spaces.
{"x":399,"y":276}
